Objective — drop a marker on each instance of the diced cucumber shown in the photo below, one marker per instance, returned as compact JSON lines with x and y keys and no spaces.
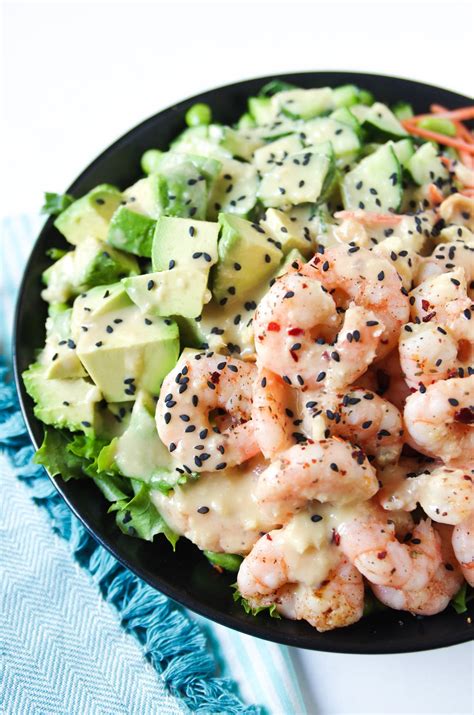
{"x":375,"y":184}
{"x":304,"y":177}
{"x":345,"y":116}
{"x":426,"y":167}
{"x":261,"y":109}
{"x":402,"y":110}
{"x":345,"y":95}
{"x":239,"y":143}
{"x":404,"y":150}
{"x":200,"y":142}
{"x":267,"y":156}
{"x":343,"y":139}
{"x":234,"y":190}
{"x":304,"y":103}
{"x":382,"y":123}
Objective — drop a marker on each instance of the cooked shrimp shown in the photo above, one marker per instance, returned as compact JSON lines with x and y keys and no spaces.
{"x":309,"y":580}
{"x":199,"y":384}
{"x":443,"y":299}
{"x":463,"y":545}
{"x":338,"y":602}
{"x":387,"y":380}
{"x":371,"y":422}
{"x":447,"y":257}
{"x":356,"y":274}
{"x":436,"y":594}
{"x":458,"y":209}
{"x":445,"y":494}
{"x":271,"y":413}
{"x":371,"y":545}
{"x":429,"y":354}
{"x":298,"y":335}
{"x":440,"y":420}
{"x":330,"y":470}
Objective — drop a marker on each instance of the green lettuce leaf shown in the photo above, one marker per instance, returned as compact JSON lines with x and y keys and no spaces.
{"x":55,"y":456}
{"x":229,"y":562}
{"x":271,"y":609}
{"x":54,"y":204}
{"x":462,"y":598}
{"x":139,"y":517}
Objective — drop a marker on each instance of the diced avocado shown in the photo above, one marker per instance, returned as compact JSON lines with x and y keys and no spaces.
{"x":274,"y":152}
{"x":91,"y":263}
{"x":302,"y":178}
{"x":181,"y":184}
{"x":426,"y":167}
{"x":287,"y":233}
{"x":200,"y":141}
{"x":404,"y":150}
{"x":307,"y":219}
{"x":292,"y":260}
{"x":235,"y":189}
{"x":95,"y":302}
{"x":63,"y":403}
{"x":139,"y":453}
{"x":375,"y":184}
{"x":304,"y":103}
{"x":142,"y":198}
{"x":90,"y":215}
{"x":180,"y":291}
{"x":343,"y":138}
{"x":124,"y":350}
{"x":247,"y":257}
{"x":59,"y":355}
{"x":184,"y":243}
{"x":240,"y":143}
{"x":382,"y":123}
{"x":131,"y":231}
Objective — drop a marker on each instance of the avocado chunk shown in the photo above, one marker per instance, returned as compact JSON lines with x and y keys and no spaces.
{"x":124,"y":351}
{"x":247,"y":257}
{"x":91,"y":263}
{"x":269,"y":155}
{"x":184,"y":243}
{"x":89,"y":215}
{"x":201,"y":141}
{"x":180,"y":291}
{"x":292,"y":260}
{"x":62,"y":403}
{"x":181,"y":184}
{"x":426,"y":167}
{"x":235,"y":189}
{"x":59,"y":355}
{"x":131,"y":231}
{"x":287,"y":233}
{"x":304,"y":177}
{"x":343,"y":138}
{"x":141,"y":198}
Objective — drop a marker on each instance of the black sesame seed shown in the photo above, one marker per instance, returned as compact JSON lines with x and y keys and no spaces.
{"x":203,"y":510}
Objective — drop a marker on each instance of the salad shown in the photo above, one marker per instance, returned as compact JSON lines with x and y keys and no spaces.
{"x":266,"y":346}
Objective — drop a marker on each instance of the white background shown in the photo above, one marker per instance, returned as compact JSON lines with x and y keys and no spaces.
{"x":77,"y":75}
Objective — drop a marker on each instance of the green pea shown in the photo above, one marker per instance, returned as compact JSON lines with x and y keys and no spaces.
{"x":150,"y":160}
{"x":198,"y":114}
{"x":366,"y":97}
{"x":439,"y":125}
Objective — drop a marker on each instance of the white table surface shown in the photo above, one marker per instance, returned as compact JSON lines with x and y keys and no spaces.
{"x":78,"y":75}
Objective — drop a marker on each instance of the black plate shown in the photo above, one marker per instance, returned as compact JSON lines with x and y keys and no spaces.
{"x":185,"y":575}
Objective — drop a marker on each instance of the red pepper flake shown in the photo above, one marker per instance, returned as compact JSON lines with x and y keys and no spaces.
{"x":295,"y":331}
{"x":425,"y":304}
{"x":269,"y":537}
{"x":382,"y":555}
{"x":336,"y":539}
{"x":273,"y":327}
{"x":294,"y":355}
{"x":429,"y":317}
{"x":315,"y":260}
{"x":465,"y":415}
{"x":215,"y":377}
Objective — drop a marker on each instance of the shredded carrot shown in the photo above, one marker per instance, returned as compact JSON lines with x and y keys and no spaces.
{"x":458,"y":144}
{"x":435,"y":195}
{"x":369,"y":217}
{"x":459,"y":114}
{"x":462,"y":131}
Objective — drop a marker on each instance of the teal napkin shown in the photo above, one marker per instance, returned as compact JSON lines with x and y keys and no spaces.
{"x":79,"y":633}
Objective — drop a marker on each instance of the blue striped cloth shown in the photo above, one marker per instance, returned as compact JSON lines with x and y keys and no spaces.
{"x":65,"y":650}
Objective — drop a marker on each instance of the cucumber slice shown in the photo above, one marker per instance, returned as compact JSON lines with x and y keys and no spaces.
{"x":404,"y":150}
{"x":382,"y":123}
{"x":261,"y":109}
{"x":304,"y":103}
{"x":425,"y":166}
{"x":343,"y":139}
{"x":375,"y":184}
{"x":267,"y":156}
{"x":345,"y":116}
{"x":301,"y":178}
{"x":234,"y":190}
{"x":402,"y":110}
{"x":346,"y":95}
